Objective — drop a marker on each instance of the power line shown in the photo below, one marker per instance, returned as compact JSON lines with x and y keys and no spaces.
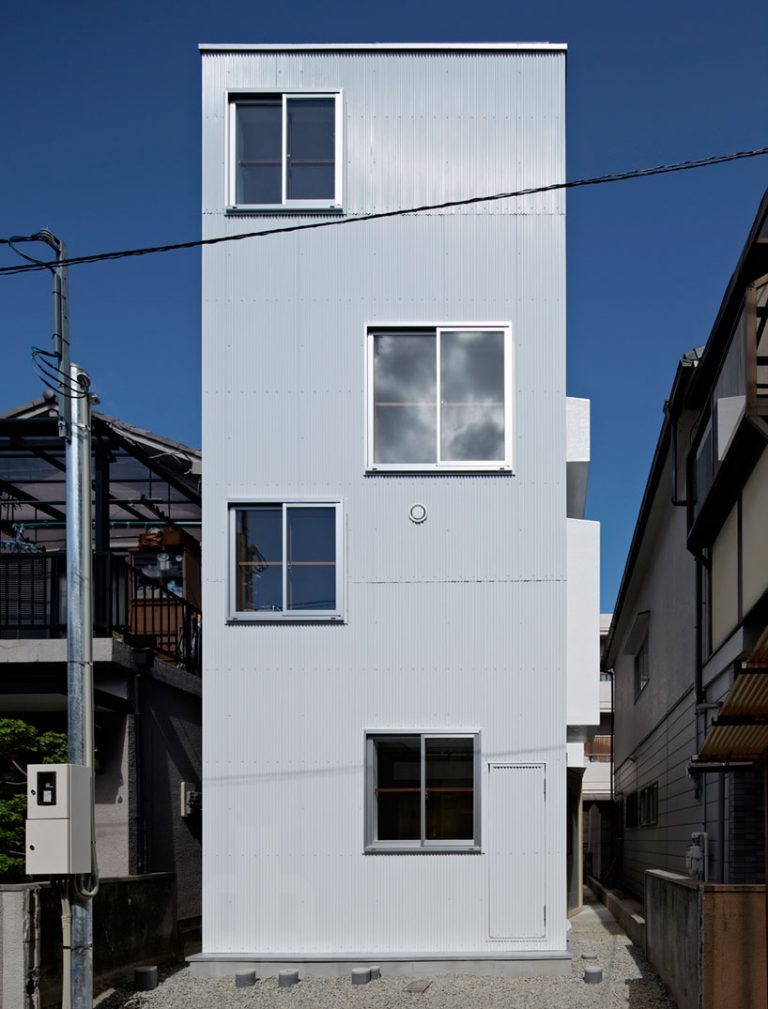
{"x":637,"y":173}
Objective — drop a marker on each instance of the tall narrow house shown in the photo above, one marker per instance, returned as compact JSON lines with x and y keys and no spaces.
{"x":390,"y":573}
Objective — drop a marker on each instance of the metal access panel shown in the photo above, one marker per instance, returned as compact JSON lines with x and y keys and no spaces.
{"x":517,"y":851}
{"x":58,"y":839}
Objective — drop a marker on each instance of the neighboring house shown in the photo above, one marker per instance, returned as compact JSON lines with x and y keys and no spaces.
{"x":146,"y":598}
{"x":688,"y":640}
{"x":597,"y":786}
{"x":390,"y":574}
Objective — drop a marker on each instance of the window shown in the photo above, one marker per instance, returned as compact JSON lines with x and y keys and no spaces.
{"x":284,"y":560}
{"x":440,"y":398}
{"x":641,"y":666}
{"x":649,"y":805}
{"x":641,"y":808}
{"x":285,"y":151}
{"x":422,"y":792}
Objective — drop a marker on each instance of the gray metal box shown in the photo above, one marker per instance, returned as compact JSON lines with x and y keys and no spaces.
{"x":58,"y":841}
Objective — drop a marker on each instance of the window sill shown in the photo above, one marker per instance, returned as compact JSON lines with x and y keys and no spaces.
{"x":289,"y":209}
{"x":471,"y":849}
{"x":285,"y":618}
{"x":493,"y":469}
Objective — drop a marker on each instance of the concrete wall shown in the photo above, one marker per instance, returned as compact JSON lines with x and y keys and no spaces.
{"x":134,"y":922}
{"x":707,"y":941}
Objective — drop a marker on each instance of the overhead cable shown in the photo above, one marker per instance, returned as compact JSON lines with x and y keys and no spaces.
{"x":637,"y":173}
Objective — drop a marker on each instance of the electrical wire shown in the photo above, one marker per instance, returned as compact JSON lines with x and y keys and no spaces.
{"x":637,"y":173}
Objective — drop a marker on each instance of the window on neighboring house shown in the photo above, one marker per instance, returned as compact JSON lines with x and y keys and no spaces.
{"x":285,"y":560}
{"x":422,"y":792}
{"x":648,"y":805}
{"x":285,"y":150}
{"x":641,"y":666}
{"x":440,"y":398}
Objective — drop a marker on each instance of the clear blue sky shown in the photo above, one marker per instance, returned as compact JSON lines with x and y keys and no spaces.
{"x":100,"y":142}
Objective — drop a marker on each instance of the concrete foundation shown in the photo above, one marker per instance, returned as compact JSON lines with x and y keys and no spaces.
{"x":556,"y":964}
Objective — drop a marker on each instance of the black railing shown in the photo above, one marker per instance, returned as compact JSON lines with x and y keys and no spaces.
{"x":33,"y":604}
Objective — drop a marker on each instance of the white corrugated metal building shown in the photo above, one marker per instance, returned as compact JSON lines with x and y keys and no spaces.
{"x":400,"y":611}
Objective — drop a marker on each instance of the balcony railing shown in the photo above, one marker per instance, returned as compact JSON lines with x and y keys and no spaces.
{"x":33,"y":604}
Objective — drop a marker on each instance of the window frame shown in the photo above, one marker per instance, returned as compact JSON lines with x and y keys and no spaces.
{"x":284,"y":616}
{"x":642,"y":658}
{"x":464,"y":466}
{"x":423,"y":845}
{"x":235,"y":96}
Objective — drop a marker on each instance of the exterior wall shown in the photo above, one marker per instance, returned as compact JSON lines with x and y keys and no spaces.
{"x":663,"y":583}
{"x":725,"y":580}
{"x":450,"y":625}
{"x":583,"y":612}
{"x":171,"y":736}
{"x":113,"y":797}
{"x":754,"y":501}
{"x":655,"y":732}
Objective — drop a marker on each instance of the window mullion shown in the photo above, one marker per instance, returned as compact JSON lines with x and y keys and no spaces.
{"x":285,"y":559}
{"x":438,"y":396}
{"x":423,"y":792}
{"x":284,"y":172}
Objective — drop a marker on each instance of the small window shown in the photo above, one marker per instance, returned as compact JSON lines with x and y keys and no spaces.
{"x":285,"y":560}
{"x":422,"y":792}
{"x":440,"y":398}
{"x":642,"y":673}
{"x":285,"y":151}
{"x":648,"y":805}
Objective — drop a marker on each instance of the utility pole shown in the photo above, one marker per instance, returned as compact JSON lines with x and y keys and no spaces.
{"x":80,"y":668}
{"x":72,"y":386}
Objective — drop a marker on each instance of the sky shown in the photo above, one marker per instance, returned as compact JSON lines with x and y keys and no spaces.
{"x":100,"y":128}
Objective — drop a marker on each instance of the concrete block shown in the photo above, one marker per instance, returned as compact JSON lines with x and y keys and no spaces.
{"x":375,"y":972}
{"x":245,"y":978}
{"x":589,"y":956}
{"x":361,"y":975}
{"x":285,"y":978}
{"x":593,"y":975}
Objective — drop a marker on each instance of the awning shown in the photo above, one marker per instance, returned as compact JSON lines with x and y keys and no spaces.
{"x":738,"y":736}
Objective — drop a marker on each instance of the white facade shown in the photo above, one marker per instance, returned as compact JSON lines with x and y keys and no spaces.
{"x":448,"y":620}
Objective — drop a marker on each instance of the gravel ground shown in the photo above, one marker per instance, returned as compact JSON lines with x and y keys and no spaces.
{"x":628,"y":981}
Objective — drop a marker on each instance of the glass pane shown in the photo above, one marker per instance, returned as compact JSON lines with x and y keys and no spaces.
{"x":311,"y":148}
{"x":259,"y":558}
{"x":404,"y":390}
{"x":311,"y":558}
{"x":472,"y":397}
{"x":449,"y":784}
{"x":259,"y":152}
{"x":398,"y":788}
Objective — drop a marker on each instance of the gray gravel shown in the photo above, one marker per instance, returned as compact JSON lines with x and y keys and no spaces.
{"x":628,"y":981}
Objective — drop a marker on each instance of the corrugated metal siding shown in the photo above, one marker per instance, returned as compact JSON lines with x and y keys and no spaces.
{"x":456,"y":624}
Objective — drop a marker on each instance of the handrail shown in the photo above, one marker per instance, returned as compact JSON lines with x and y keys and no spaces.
{"x":33,"y":604}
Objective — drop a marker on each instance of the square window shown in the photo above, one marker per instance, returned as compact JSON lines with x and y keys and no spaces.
{"x":285,"y":560}
{"x":285,"y":151}
{"x":440,"y":398}
{"x":422,"y":792}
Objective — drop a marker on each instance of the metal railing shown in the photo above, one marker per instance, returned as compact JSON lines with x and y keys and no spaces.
{"x":33,"y":604}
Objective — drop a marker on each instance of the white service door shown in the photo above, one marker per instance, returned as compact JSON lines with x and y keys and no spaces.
{"x":516,"y":851}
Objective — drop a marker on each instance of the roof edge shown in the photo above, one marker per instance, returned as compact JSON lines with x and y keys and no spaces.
{"x":384,"y":47}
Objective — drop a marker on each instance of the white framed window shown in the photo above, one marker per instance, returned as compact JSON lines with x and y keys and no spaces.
{"x":439,"y":397}
{"x":284,"y":151}
{"x":285,"y":560}
{"x":422,"y":791}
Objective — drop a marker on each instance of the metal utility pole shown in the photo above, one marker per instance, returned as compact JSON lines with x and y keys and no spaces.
{"x":80,"y":666}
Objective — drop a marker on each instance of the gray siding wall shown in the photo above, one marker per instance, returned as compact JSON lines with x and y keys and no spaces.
{"x":457,"y":624}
